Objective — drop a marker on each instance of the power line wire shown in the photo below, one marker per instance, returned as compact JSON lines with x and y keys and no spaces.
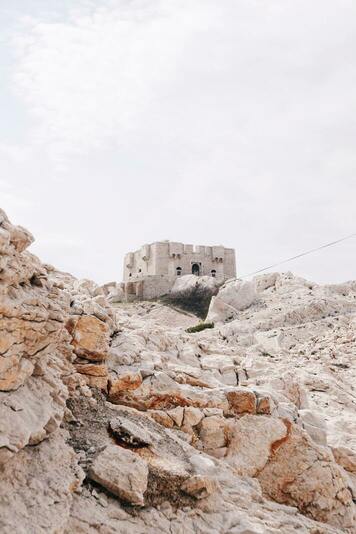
{"x":299,"y":255}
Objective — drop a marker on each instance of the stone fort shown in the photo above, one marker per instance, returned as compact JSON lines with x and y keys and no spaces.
{"x":152,"y":270}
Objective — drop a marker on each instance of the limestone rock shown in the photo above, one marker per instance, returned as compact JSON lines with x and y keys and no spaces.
{"x":126,"y":381}
{"x":212,"y":432}
{"x":190,"y":282}
{"x":90,"y":337}
{"x":199,"y":486}
{"x":177,"y":415}
{"x":129,"y":432}
{"x":233,"y":297}
{"x":241,"y":400}
{"x":121,"y":472}
{"x":302,"y":474}
{"x":193,"y":293}
{"x":92,"y":369}
{"x":37,"y":487}
{"x":192,"y":416}
{"x":314,"y":425}
{"x":247,"y":427}
{"x":220,"y":312}
{"x":346,"y":458}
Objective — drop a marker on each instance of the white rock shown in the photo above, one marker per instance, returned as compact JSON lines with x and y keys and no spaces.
{"x":122,"y":472}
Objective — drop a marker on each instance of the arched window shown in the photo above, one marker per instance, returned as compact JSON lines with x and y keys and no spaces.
{"x":140,"y":270}
{"x":196,"y":269}
{"x":130,"y":274}
{"x":213,"y":273}
{"x":179,"y":271}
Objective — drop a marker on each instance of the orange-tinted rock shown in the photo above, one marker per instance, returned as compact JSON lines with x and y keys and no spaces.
{"x":90,"y":337}
{"x":13,"y":372}
{"x":162,"y":418}
{"x":100,"y":382}
{"x":241,"y":400}
{"x":125,"y":382}
{"x":263,"y":405}
{"x":92,"y":369}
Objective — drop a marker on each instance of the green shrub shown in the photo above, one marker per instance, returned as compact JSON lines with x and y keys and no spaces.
{"x":199,"y":327}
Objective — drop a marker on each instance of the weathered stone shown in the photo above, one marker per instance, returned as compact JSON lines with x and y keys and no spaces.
{"x":16,"y":374}
{"x":192,"y":416}
{"x":345,"y":457}
{"x":293,"y":349}
{"x":98,"y":382}
{"x":212,"y":432}
{"x":161,"y":418}
{"x":127,"y":381}
{"x":251,"y":441}
{"x":92,"y":369}
{"x":264,"y":404}
{"x":90,"y":337}
{"x":121,"y":472}
{"x":199,"y":486}
{"x":233,"y":297}
{"x":129,"y":432}
{"x":177,"y":415}
{"x":303,"y":474}
{"x":241,"y":400}
{"x":314,"y":425}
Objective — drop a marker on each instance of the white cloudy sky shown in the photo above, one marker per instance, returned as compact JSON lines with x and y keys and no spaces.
{"x":204,"y":121}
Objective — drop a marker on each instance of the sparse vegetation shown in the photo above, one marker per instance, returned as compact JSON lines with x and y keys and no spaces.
{"x":199,"y":327}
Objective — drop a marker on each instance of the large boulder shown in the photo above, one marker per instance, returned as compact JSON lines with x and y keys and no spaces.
{"x":122,"y":472}
{"x":90,"y":337}
{"x":233,"y":297}
{"x":301,"y":473}
{"x":193,"y":293}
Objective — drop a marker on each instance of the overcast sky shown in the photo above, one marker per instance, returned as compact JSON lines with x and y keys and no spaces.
{"x":204,"y":121}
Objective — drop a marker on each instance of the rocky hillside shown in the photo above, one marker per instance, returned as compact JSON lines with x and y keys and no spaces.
{"x":115,"y":419}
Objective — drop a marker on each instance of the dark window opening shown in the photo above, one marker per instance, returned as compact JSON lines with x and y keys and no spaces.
{"x":130,"y":274}
{"x":213,"y":273}
{"x":179,"y":271}
{"x":140,"y":270}
{"x":196,"y":269}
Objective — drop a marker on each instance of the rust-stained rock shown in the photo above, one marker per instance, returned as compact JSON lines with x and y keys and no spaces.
{"x":125,"y":382}
{"x":264,"y":405}
{"x":91,"y":369}
{"x":302,"y":474}
{"x":90,"y":337}
{"x":161,"y":417}
{"x":241,"y":400}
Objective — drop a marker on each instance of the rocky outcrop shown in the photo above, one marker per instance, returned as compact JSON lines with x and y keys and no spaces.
{"x":233,"y":297}
{"x":193,"y":293}
{"x":115,"y":419}
{"x":35,"y":351}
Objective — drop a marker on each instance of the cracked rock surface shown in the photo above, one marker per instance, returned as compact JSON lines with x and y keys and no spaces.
{"x":113,"y":418}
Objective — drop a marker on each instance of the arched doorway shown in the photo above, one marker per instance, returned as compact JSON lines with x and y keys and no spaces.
{"x":196,"y":269}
